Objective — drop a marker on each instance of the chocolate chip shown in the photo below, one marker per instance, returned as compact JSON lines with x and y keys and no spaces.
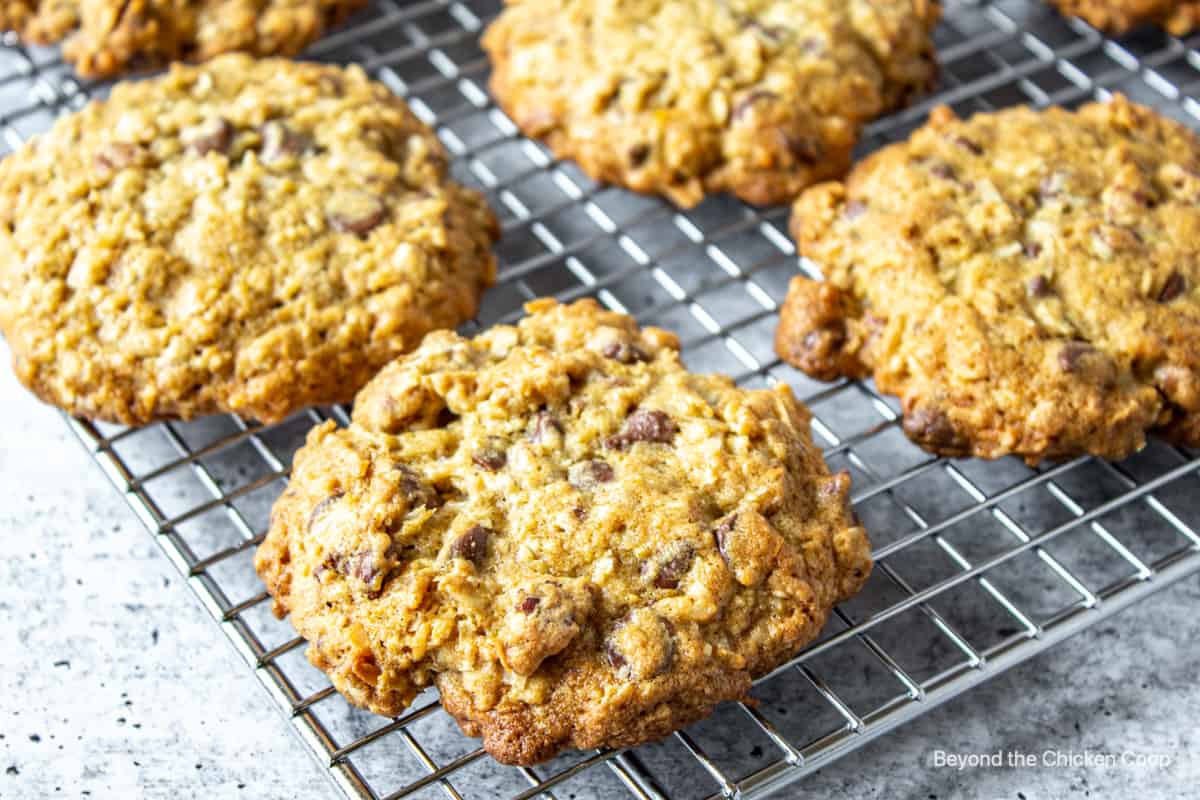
{"x":528,"y":605}
{"x":279,"y":141}
{"x":969,"y":145}
{"x":1072,"y":353}
{"x":615,"y":659}
{"x":804,"y":148}
{"x":323,"y":506}
{"x":119,"y":155}
{"x":638,"y":154}
{"x":1175,"y":286}
{"x":416,"y":490}
{"x":643,"y":426}
{"x":588,"y":475}
{"x":668,"y":568}
{"x":1031,"y":249}
{"x":854,"y":209}
{"x":543,"y":427}
{"x":742,"y":106}
{"x":212,"y":136}
{"x":944,"y":171}
{"x":362,"y":565}
{"x":489,"y":458}
{"x":1038,"y":286}
{"x":721,"y":533}
{"x":640,"y":646}
{"x":472,"y":545}
{"x":931,"y":426}
{"x":624,"y":352}
{"x":355,"y":212}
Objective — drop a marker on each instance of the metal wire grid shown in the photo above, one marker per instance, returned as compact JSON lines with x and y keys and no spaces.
{"x":980,"y":565}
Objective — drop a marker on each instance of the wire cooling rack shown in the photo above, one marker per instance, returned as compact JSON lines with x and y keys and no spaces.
{"x":980,"y":565}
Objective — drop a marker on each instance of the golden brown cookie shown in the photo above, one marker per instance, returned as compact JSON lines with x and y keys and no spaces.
{"x":577,"y":541}
{"x":683,"y":98}
{"x":111,"y":37}
{"x":1118,"y":16}
{"x":244,"y":236}
{"x":1025,"y":281}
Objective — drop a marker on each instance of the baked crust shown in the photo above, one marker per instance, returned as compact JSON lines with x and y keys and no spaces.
{"x":580,"y":543}
{"x":684,"y":98}
{"x":244,"y":236}
{"x":1178,"y":17}
{"x":104,"y":38}
{"x":1026,"y":282}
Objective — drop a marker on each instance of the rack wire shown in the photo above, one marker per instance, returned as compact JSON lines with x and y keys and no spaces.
{"x":979,"y":565}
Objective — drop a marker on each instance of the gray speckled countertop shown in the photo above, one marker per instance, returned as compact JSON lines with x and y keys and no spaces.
{"x":117,"y":684}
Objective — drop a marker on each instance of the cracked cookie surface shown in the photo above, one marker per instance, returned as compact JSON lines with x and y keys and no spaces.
{"x":1026,"y":282}
{"x":577,"y":541}
{"x":688,"y":97}
{"x":245,"y":236}
{"x":103,"y":38}
{"x":1178,"y":17}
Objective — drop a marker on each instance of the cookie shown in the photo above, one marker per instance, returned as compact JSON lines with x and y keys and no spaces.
{"x":1178,"y":17}
{"x":1027,"y":282}
{"x":111,"y":37}
{"x":683,"y":98}
{"x":243,"y":236}
{"x":577,"y":541}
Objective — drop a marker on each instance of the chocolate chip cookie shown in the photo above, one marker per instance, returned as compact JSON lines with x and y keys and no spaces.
{"x":1118,"y":16}
{"x":244,"y":236}
{"x":686,"y":97}
{"x":110,"y":37}
{"x":1026,"y":281}
{"x":577,"y":541}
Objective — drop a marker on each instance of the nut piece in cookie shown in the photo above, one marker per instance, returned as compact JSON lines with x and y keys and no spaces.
{"x":577,"y":541}
{"x":686,"y":98}
{"x":246,"y":236}
{"x":1025,"y":281}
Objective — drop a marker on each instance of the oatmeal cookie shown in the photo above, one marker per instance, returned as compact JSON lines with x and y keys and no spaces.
{"x":111,"y":37}
{"x":244,"y":236}
{"x":686,"y":97}
{"x":577,"y":541}
{"x":1025,"y":281}
{"x":1178,"y":17}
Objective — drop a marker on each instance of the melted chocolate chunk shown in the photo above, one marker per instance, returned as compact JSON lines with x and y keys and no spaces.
{"x":490,"y":459}
{"x":644,"y":426}
{"x":214,"y":136}
{"x":356,"y":212}
{"x":588,"y":475}
{"x":1072,"y":353}
{"x":472,"y":545}
{"x":972,"y":147}
{"x":279,"y":141}
{"x":543,"y":427}
{"x":669,"y":567}
{"x":1175,"y":286}
{"x":1038,"y":286}
{"x":930,"y":425}
{"x":624,"y":352}
{"x":323,"y":506}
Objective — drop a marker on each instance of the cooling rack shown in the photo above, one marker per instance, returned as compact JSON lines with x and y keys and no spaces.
{"x":980,"y":565}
